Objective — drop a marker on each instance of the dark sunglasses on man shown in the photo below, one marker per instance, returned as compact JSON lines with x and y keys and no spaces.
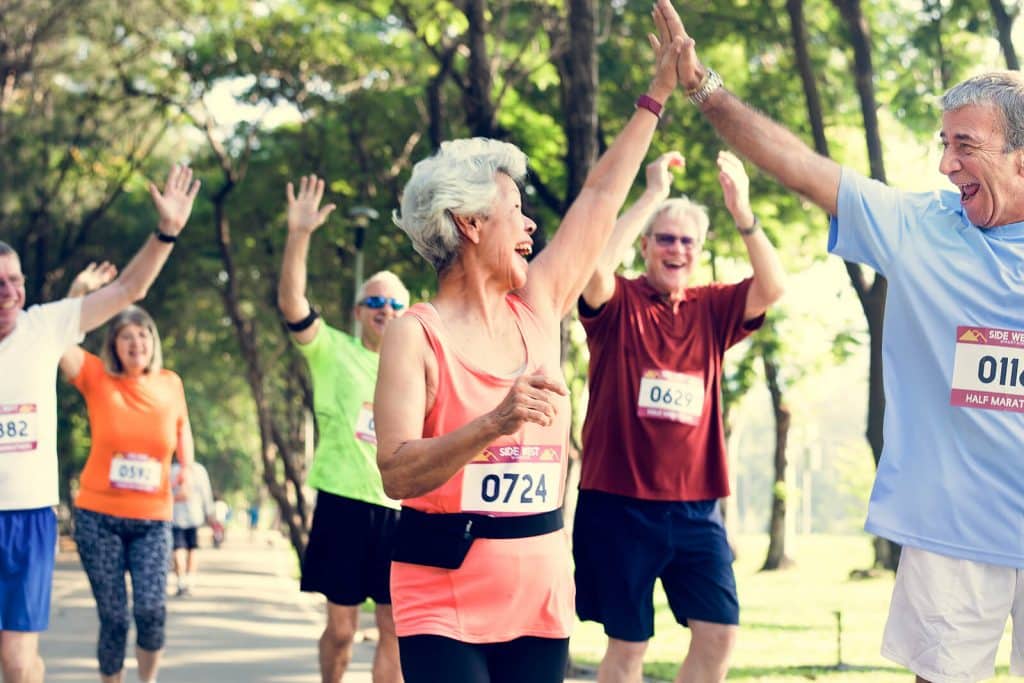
{"x":664,"y":239}
{"x":377,"y":302}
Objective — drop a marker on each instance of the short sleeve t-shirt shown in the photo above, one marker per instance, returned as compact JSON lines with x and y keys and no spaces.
{"x":134,"y":423}
{"x":951,"y":476}
{"x":344,"y":376}
{"x":654,"y":429}
{"x":28,"y":403}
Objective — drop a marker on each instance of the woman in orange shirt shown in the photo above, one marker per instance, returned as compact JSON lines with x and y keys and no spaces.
{"x":137,"y":421}
{"x":471,"y":410}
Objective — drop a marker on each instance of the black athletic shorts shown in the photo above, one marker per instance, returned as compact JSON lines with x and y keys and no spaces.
{"x":185,"y":538}
{"x":348,"y":557}
{"x":622,"y":545}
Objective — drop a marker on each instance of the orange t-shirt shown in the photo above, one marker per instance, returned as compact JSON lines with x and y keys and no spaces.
{"x":505,"y":588}
{"x":134,"y":425}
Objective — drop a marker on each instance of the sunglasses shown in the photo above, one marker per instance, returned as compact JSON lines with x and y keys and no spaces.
{"x":376,"y":302}
{"x":663,"y":239}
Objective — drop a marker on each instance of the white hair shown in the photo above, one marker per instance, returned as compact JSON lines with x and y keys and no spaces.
{"x":1003,"y":90}
{"x":388,"y":278}
{"x":681,"y":209}
{"x":460,"y":179}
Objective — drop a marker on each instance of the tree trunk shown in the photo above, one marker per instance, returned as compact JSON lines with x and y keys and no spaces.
{"x":871,"y":296}
{"x":1004,"y":28}
{"x":272,"y":444}
{"x":578,"y":69}
{"x":777,"y":558}
{"x":480,"y":110}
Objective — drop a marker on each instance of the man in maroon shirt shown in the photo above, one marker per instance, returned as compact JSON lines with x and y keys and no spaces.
{"x":653,"y":443}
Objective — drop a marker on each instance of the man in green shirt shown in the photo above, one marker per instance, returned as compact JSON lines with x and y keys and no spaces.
{"x":348,"y":557}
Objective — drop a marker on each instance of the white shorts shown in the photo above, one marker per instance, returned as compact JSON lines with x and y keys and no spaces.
{"x":948,"y":615}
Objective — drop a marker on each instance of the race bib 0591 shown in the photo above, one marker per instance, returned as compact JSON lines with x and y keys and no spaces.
{"x":988,"y":369}
{"x":135,"y":471}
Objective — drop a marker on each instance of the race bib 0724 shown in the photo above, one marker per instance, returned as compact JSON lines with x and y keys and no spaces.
{"x":135,"y":471}
{"x":988,"y":369}
{"x":19,"y":427}
{"x":513,"y":479}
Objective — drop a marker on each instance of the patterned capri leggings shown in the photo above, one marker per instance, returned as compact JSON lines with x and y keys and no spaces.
{"x":108,"y":547}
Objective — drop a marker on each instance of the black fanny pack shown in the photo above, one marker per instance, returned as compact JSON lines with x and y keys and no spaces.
{"x":443,"y":540}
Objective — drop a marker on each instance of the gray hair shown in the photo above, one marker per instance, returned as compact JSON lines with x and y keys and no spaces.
{"x":133,"y":315}
{"x":460,"y":179}
{"x":681,"y":209}
{"x":388,"y":278}
{"x":1002,"y":89}
{"x":6,"y":249}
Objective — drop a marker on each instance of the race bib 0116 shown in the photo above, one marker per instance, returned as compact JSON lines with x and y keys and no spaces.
{"x":988,"y":369}
{"x":19,"y":427}
{"x":674,"y":396}
{"x":135,"y":471}
{"x":365,"y":428}
{"x":513,"y":479}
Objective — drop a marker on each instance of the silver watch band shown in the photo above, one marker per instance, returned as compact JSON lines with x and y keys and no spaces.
{"x":712,"y":82}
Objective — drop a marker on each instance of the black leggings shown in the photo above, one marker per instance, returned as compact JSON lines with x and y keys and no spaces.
{"x":436,"y":659}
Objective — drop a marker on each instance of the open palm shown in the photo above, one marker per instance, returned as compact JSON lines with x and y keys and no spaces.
{"x":304,"y":212}
{"x":174,"y":204}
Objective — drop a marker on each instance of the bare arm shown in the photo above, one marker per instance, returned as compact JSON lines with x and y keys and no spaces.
{"x":560,"y":271}
{"x":769,"y":277}
{"x":186,"y":453}
{"x":768,"y":145}
{"x":601,"y":286}
{"x":304,"y":217}
{"x":91,"y":278}
{"x":174,"y":205}
{"x":411,"y":465}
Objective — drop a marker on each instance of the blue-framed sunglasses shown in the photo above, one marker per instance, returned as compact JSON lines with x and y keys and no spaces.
{"x":376,"y":302}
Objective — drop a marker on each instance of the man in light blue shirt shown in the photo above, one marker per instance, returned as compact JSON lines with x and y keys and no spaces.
{"x":950,"y":484}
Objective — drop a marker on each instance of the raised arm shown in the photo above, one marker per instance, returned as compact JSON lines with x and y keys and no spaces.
{"x":304,"y":217}
{"x":560,"y":271}
{"x":768,"y":145}
{"x":769,"y":277}
{"x":411,"y":465}
{"x":91,"y":278}
{"x":173,"y":205}
{"x":601,"y":286}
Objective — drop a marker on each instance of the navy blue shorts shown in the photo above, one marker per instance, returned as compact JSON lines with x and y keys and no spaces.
{"x":621,"y":545}
{"x":185,"y":538}
{"x":28,"y":539}
{"x":348,"y":556}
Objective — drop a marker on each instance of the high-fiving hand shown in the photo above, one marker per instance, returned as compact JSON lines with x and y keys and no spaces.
{"x":174,"y":204}
{"x":659,"y":174}
{"x":304,"y":212}
{"x":91,"y":278}
{"x":735,"y":188}
{"x":689,"y":70}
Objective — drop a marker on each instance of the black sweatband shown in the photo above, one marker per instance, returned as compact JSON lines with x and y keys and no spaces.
{"x":305,"y":322}
{"x":164,"y":237}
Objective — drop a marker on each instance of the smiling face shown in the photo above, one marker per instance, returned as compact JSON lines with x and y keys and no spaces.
{"x":505,"y":235}
{"x":12,"y":293}
{"x":670,"y":250}
{"x":373,"y":321}
{"x":133,"y":345}
{"x":990,"y":180}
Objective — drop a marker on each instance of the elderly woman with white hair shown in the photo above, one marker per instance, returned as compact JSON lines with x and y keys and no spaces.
{"x":471,"y":407}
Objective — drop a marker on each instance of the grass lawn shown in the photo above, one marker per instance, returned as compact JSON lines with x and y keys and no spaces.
{"x":788,"y":622}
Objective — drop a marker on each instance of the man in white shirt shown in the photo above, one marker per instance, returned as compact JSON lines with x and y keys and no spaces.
{"x":31,"y":344}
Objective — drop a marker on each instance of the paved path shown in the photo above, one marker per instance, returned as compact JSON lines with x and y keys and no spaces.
{"x":245,"y":622}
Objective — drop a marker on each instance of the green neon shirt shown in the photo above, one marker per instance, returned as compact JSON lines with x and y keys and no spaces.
{"x":344,"y":375}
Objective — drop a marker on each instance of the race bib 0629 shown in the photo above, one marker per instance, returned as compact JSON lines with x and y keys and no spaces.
{"x":988,"y":369}
{"x":513,"y":479}
{"x":19,"y":427}
{"x":135,"y":471}
{"x":672,"y":396}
